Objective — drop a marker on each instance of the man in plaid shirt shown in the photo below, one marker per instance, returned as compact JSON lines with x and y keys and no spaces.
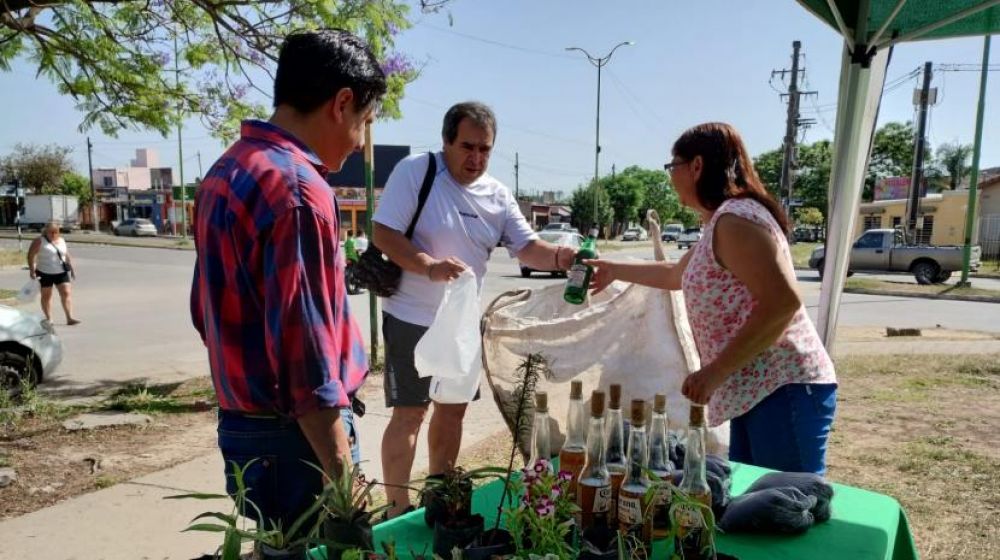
{"x":268,"y":296}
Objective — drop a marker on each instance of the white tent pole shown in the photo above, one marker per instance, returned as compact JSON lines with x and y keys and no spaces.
{"x":888,"y":21}
{"x":832,"y":4}
{"x":860,"y":90}
{"x":916,"y":33}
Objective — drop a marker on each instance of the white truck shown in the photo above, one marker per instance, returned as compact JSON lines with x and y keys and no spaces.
{"x":40,"y":209}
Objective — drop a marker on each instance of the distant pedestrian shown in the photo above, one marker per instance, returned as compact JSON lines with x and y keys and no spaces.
{"x":50,"y":263}
{"x":360,"y":242}
{"x":350,"y":248}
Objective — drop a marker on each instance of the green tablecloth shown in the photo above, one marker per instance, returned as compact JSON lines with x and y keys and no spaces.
{"x":864,"y":526}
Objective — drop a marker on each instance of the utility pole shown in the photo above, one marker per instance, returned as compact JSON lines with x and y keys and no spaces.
{"x":917,"y":176}
{"x":180,"y":147}
{"x":93,"y":192}
{"x":517,"y":166}
{"x":792,"y":123}
{"x":612,"y":171}
{"x":970,"y":216}
{"x":200,"y":175}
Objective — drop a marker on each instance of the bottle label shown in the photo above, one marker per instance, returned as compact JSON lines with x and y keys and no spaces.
{"x":629,"y":509}
{"x":663,"y":494}
{"x":689,"y":519}
{"x":602,"y":499}
{"x":577,"y":275}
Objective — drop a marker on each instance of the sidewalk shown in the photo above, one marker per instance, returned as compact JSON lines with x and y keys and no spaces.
{"x":89,"y":237}
{"x":131,"y":521}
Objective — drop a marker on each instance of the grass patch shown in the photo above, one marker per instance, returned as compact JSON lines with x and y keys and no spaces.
{"x":801,"y":252}
{"x":11,"y":258}
{"x":8,"y":294}
{"x":103,"y":482}
{"x":940,"y":290}
{"x":158,"y":399}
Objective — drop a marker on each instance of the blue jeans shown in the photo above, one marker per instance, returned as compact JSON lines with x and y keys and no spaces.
{"x":788,"y":430}
{"x":280,"y":482}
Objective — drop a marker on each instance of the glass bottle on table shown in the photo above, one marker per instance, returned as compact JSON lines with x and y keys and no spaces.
{"x":693,"y":540}
{"x":574,"y":449}
{"x":579,"y":274}
{"x":594,"y":488}
{"x":635,"y":520}
{"x":660,"y":466}
{"x":541,"y":446}
{"x":615,"y":453}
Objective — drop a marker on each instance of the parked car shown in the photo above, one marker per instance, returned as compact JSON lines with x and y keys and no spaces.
{"x":29,"y":350}
{"x":564,"y":238}
{"x":885,"y":250}
{"x":560,"y":226}
{"x":635,"y":234}
{"x":808,"y":234}
{"x":687,"y":239}
{"x":671,"y":232}
{"x":136,"y":227}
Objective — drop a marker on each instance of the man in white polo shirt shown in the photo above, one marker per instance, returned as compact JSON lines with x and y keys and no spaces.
{"x":466,"y":215}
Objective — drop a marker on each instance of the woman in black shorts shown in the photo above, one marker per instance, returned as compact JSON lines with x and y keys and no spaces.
{"x":49,"y":262}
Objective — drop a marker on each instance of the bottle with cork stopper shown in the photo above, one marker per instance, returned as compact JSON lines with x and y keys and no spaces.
{"x":635,"y":520}
{"x":660,"y":466}
{"x":614,"y":435}
{"x":574,"y":449}
{"x":594,"y":487}
{"x":693,"y":540}
{"x":541,"y":445}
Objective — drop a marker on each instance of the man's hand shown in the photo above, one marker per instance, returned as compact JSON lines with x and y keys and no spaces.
{"x":446,"y":269}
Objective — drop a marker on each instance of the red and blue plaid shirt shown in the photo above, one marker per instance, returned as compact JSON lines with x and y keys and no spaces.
{"x":268,"y":295}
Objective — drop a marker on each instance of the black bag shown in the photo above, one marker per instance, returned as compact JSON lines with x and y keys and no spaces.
{"x":782,"y":510}
{"x":374,"y":270}
{"x":809,"y":484}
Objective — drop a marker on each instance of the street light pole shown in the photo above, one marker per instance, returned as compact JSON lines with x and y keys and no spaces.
{"x":599,"y":62}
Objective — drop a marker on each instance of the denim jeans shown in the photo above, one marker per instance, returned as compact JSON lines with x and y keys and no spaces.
{"x":788,"y":430}
{"x":280,"y":482}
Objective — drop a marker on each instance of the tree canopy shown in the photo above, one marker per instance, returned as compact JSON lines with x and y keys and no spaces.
{"x":117,"y":58}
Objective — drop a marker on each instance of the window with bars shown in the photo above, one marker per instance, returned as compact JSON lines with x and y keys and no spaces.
{"x":925,"y":233}
{"x":873,"y":222}
{"x":897,"y":221}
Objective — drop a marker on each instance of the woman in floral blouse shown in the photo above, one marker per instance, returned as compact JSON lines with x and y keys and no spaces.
{"x":763,"y":365}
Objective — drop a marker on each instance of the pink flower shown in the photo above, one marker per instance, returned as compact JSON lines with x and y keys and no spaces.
{"x":541,"y":466}
{"x":556,"y":492}
{"x":565,"y":476}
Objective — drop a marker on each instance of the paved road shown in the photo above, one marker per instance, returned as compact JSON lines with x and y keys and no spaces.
{"x":134,"y":307}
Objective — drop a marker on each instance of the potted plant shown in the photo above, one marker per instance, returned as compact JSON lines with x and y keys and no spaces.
{"x":269,"y":538}
{"x":681,"y":504}
{"x":542,"y":523}
{"x":451,"y":495}
{"x":347,"y":521}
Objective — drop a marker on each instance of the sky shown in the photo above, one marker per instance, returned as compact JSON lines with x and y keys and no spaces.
{"x":692,"y":62}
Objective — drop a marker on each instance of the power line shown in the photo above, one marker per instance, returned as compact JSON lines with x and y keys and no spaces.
{"x":496,"y":43}
{"x":645,"y":107}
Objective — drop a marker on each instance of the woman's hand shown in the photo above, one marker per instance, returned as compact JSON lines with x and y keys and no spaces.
{"x":32,"y":273}
{"x":699,"y":386}
{"x":604,"y":274}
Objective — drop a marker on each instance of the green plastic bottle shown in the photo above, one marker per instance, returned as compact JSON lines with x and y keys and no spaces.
{"x":579,"y":274}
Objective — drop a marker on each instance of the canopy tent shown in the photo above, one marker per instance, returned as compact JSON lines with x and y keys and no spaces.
{"x":869,"y":28}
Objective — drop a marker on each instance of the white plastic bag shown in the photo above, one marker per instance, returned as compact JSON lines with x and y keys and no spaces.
{"x":29,"y":291}
{"x":451,"y":349}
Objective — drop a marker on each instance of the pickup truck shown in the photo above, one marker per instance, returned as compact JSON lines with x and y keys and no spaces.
{"x":883,"y":250}
{"x":688,"y":238}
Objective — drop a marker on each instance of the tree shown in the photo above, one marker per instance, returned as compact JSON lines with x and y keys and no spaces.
{"x":954,"y":159}
{"x":812,"y":180}
{"x":38,"y":169}
{"x":582,"y":205}
{"x":768,"y":166}
{"x":809,"y":216}
{"x":892,"y":154}
{"x":76,"y":185}
{"x":116,"y":58}
{"x":625,"y":194}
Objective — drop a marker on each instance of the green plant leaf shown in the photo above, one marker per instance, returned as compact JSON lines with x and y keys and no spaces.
{"x":228,"y":519}
{"x":197,"y":496}
{"x":207,"y":527}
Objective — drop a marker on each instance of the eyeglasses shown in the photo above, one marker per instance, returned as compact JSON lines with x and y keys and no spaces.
{"x":668,"y":167}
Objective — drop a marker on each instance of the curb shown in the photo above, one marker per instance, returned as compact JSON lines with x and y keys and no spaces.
{"x":894,"y":293}
{"x":113,"y":242}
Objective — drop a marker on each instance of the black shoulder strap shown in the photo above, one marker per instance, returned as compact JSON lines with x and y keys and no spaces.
{"x":56,"y":247}
{"x":425,"y":191}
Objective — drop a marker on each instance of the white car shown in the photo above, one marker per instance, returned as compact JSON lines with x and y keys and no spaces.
{"x":635,"y":234}
{"x":687,"y":239}
{"x":136,"y":227}
{"x":563,"y":238}
{"x":30,"y":350}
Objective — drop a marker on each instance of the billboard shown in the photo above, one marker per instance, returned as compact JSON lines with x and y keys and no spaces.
{"x":896,"y":188}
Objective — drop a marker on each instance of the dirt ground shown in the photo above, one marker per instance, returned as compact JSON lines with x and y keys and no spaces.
{"x":924,"y":429}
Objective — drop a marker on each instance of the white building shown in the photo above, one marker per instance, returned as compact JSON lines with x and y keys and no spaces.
{"x":143,"y":173}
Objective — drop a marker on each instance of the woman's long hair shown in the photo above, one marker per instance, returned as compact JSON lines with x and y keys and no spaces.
{"x":727,"y":170}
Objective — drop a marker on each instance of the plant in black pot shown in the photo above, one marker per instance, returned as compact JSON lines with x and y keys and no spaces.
{"x":271,"y":541}
{"x":455,"y":526}
{"x":347,"y":521}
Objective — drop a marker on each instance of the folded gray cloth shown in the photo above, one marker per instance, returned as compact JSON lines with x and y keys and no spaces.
{"x":774,"y":510}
